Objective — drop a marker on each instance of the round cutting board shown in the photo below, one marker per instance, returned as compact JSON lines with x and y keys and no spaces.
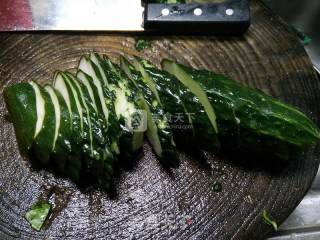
{"x":150,"y":202}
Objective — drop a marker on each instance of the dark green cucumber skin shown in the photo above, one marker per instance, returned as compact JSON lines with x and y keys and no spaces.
{"x":41,"y":148}
{"x":250,"y":120}
{"x":20,"y":100}
{"x":99,"y":163}
{"x":176,"y":98}
{"x":169,"y":156}
{"x":114,"y":77}
{"x":21,"y":104}
{"x":64,"y":143}
{"x":113,"y":128}
{"x":73,"y":165}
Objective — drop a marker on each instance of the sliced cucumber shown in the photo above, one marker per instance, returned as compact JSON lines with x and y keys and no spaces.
{"x":62,"y":83}
{"x":83,"y":77}
{"x":40,"y":108}
{"x":105,"y":105}
{"x":57,"y":111}
{"x":158,"y":132}
{"x":152,"y":130}
{"x":87,"y":66}
{"x":42,"y":146}
{"x":194,"y":87}
{"x":86,"y":119}
{"x":98,"y":159}
{"x":125,"y":104}
{"x":146,"y":78}
{"x":189,"y":121}
{"x":62,"y":146}
{"x":96,"y":59}
{"x":20,"y":100}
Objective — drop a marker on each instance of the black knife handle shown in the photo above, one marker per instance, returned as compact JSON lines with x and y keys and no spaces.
{"x":228,"y":17}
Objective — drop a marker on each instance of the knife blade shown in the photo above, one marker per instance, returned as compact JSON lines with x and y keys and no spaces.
{"x":124,"y":16}
{"x":93,"y":15}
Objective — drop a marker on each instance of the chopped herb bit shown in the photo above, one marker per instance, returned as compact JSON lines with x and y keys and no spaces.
{"x":217,"y":187}
{"x":267,"y":220}
{"x":142,"y":44}
{"x":38,"y":214}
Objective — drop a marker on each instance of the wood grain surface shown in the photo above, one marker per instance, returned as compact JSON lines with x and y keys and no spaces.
{"x":150,"y":202}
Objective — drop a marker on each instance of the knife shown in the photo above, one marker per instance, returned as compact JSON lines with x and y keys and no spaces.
{"x":222,"y":16}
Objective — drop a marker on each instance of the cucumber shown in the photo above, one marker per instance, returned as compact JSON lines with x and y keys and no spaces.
{"x":145,"y":77}
{"x":105,"y":106}
{"x":62,"y":141}
{"x":62,"y":84}
{"x":194,"y":87}
{"x":189,"y":121}
{"x":126,"y":104}
{"x":121,"y":103}
{"x":87,"y":66}
{"x":40,"y":107}
{"x":158,"y":132}
{"x":98,"y":160}
{"x":42,"y":146}
{"x":265,"y":125}
{"x":20,"y":100}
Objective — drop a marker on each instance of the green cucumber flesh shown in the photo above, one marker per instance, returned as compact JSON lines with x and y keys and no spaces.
{"x":96,"y":59}
{"x":42,"y":146}
{"x":194,"y":87}
{"x":97,"y":156}
{"x":57,"y":111}
{"x":75,"y":102}
{"x":165,"y":133}
{"x":40,"y":108}
{"x":87,"y":66}
{"x":189,"y":121}
{"x":152,"y":130}
{"x":146,"y":78}
{"x":158,"y":131}
{"x":264,"y":124}
{"x":83,"y":77}
{"x":125,"y":102}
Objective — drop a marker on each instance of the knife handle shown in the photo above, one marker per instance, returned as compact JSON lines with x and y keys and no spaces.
{"x":228,"y":17}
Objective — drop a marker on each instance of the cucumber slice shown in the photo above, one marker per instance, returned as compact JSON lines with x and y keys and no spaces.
{"x":127,"y":100}
{"x":42,"y":146}
{"x":158,"y":132}
{"x":105,"y":101}
{"x":87,"y":66}
{"x":62,"y":83}
{"x":83,"y":77}
{"x":152,"y":130}
{"x":146,"y":78}
{"x":20,"y":100}
{"x":86,"y":119}
{"x":189,"y":121}
{"x":194,"y":87}
{"x":96,"y":59}
{"x":40,"y":108}
{"x":98,"y":159}
{"x":66,"y":152}
{"x":123,"y":100}
{"x":57,"y":111}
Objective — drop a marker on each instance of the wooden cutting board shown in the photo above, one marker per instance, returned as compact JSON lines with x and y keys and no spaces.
{"x":151,"y":203}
